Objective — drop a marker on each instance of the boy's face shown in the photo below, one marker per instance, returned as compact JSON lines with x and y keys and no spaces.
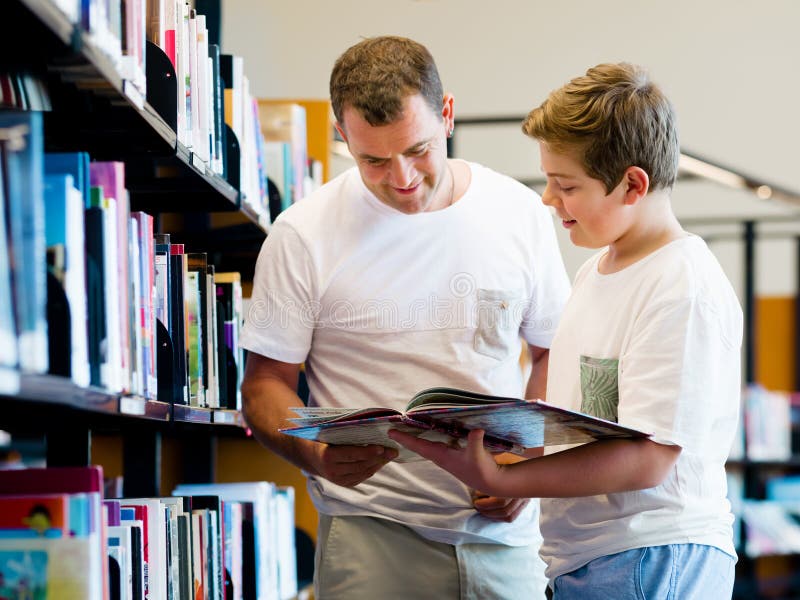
{"x":593,"y":218}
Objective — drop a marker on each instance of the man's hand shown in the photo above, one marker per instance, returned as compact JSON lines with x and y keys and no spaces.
{"x":348,"y":465}
{"x":474,"y":465}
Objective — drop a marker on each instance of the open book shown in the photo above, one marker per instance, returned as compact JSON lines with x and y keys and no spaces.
{"x":447,"y":414}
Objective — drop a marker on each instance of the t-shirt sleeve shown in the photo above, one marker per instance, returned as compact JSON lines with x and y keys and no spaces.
{"x":279,"y":322}
{"x":676,"y":372}
{"x":550,"y":286}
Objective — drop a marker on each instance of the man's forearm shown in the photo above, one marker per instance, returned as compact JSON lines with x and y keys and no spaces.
{"x":267,"y":406}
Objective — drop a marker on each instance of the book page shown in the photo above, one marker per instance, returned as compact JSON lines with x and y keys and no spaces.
{"x":528,"y":424}
{"x":315,"y":415}
{"x":449,"y":398}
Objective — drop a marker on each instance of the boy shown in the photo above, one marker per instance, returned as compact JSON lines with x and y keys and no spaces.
{"x":650,"y":338}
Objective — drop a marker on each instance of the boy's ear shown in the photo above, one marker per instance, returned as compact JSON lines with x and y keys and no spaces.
{"x":637,"y":184}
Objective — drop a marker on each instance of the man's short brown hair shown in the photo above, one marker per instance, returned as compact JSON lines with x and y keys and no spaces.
{"x":376,"y":75}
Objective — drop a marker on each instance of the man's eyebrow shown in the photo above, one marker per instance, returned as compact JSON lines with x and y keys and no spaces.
{"x":409,"y":150}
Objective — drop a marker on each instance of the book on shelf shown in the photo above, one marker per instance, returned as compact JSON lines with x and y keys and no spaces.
{"x":448,"y":414}
{"x":261,"y":544}
{"x":65,"y":238}
{"x":229,"y":295}
{"x":8,"y":330}
{"x":109,"y":177}
{"x":22,"y":156}
{"x":75,"y":565}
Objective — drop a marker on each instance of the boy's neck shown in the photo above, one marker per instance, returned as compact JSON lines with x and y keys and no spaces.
{"x":653,"y":227}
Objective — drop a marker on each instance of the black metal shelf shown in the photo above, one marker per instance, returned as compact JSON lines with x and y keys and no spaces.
{"x":44,"y":400}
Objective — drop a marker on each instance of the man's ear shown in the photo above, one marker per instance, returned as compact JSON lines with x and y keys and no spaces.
{"x":637,"y":184}
{"x":340,"y":129}
{"x":447,"y":113}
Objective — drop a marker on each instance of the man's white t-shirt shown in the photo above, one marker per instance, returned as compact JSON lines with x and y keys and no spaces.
{"x":655,"y":346}
{"x":380,"y":305}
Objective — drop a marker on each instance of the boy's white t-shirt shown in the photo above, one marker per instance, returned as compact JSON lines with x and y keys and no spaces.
{"x":655,"y":346}
{"x":381,"y":304}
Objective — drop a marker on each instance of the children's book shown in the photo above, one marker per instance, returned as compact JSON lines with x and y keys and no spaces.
{"x":447,"y":415}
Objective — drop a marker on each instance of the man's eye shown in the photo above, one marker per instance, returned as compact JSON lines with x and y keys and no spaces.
{"x":375,"y":162}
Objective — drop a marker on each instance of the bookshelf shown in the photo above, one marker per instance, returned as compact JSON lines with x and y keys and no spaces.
{"x":152,"y":444}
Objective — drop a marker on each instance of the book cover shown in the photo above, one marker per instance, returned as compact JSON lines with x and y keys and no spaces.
{"x":229,"y":293}
{"x":218,"y":109}
{"x":8,"y":329}
{"x":94,"y":222}
{"x":22,"y":143}
{"x":71,"y":163}
{"x":179,"y":327}
{"x":199,"y":329}
{"x":145,"y":319}
{"x":447,"y":414}
{"x":137,"y":541}
{"x":40,"y":515}
{"x":64,"y":228}
{"x":259,"y":544}
{"x":287,"y":553}
{"x":78,"y":566}
{"x":110,"y":176}
{"x":214,"y":511}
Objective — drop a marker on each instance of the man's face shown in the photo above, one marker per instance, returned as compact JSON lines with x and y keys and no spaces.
{"x":403,"y":163}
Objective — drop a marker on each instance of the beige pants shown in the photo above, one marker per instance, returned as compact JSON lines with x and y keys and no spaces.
{"x":364,"y":558}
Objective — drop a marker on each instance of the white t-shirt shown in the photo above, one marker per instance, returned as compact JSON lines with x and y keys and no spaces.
{"x":656,"y":347}
{"x":381,"y":304}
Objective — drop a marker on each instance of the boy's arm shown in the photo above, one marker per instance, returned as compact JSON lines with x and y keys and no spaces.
{"x":601,"y":467}
{"x":267,"y":397}
{"x":503,"y":508}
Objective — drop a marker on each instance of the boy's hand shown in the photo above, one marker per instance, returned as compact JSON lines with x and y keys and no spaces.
{"x":474,"y":465}
{"x":498,"y":509}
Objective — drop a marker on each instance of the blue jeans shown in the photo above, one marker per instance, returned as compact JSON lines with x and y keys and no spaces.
{"x":674,"y":572}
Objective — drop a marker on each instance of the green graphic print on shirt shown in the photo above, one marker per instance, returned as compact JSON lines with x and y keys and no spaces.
{"x":600,"y":387}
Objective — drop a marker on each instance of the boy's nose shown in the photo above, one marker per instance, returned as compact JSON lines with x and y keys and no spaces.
{"x":548,"y":198}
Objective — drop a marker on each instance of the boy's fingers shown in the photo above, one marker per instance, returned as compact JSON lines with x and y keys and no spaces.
{"x":422,"y":447}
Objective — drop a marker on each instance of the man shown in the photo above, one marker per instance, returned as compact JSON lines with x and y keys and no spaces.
{"x":408,"y":271}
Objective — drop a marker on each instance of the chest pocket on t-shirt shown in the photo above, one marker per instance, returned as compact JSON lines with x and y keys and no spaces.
{"x":498,"y":326}
{"x":600,"y":387}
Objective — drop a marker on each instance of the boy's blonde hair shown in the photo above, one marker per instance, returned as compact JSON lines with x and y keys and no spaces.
{"x":376,"y":75}
{"x":614,"y":117}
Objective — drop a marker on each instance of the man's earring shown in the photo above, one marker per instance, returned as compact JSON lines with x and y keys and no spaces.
{"x":450,"y":133}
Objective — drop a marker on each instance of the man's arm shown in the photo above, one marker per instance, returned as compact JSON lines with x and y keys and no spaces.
{"x":537,"y":382}
{"x":268,"y":393}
